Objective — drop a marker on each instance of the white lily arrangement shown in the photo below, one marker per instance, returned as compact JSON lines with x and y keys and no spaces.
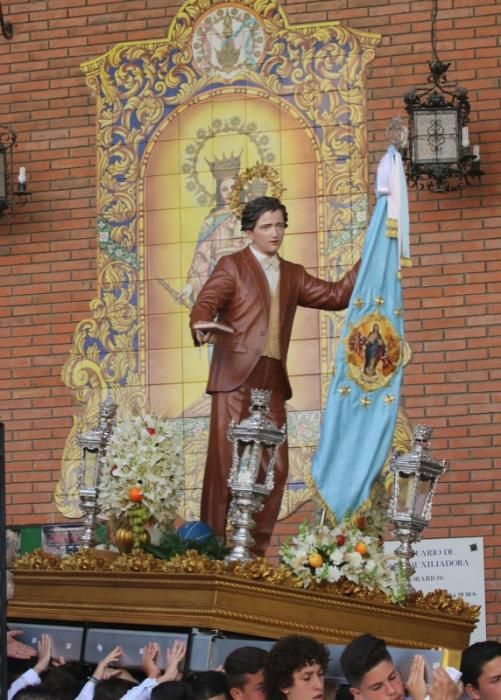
{"x":324,"y":554}
{"x":142,"y":470}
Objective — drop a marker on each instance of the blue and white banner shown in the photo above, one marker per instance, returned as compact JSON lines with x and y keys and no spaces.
{"x":362,"y":405}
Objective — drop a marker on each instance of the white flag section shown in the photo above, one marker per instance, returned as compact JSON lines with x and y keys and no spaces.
{"x":455,"y":564}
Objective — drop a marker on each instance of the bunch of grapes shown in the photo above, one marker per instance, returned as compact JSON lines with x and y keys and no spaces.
{"x":138,"y":515}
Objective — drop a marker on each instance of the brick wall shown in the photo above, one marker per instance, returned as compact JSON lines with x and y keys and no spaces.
{"x":453,"y":292}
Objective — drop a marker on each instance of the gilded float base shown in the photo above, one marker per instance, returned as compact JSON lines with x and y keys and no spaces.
{"x":250,"y":599}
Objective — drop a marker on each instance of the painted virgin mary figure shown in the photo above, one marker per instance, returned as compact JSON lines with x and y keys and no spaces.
{"x":220,"y":232}
{"x":375,"y":350}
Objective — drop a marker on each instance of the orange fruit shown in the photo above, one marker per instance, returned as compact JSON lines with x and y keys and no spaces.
{"x":135,"y":494}
{"x":315,"y":560}
{"x":361,"y":548}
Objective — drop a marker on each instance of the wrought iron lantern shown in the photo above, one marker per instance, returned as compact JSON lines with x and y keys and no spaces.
{"x":5,"y":26}
{"x":255,"y":442}
{"x":415,"y":477}
{"x":8,"y":140}
{"x":439,"y":152}
{"x":93,"y":445}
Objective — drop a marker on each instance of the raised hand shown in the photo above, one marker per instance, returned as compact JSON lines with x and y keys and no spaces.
{"x":18,"y":650}
{"x":174,"y":657}
{"x":443,"y":687}
{"x":44,"y":654}
{"x":102,"y":666}
{"x":111,"y":673}
{"x":416,"y":683}
{"x":148,"y":660}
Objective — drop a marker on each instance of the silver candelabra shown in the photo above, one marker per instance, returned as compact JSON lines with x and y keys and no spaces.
{"x":255,"y":441}
{"x":415,"y":477}
{"x":93,"y":445}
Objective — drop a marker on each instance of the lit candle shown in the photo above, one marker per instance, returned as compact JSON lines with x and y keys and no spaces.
{"x":465,"y":138}
{"x":21,"y":180}
{"x":244,"y":475}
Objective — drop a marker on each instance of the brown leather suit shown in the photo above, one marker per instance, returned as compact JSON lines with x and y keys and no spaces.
{"x":238,"y":293}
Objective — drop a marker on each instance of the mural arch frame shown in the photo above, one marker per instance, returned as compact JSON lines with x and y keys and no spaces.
{"x":304,"y":131}
{"x":317,"y":69}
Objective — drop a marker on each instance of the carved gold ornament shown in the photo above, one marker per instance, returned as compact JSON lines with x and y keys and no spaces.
{"x":252,"y":183}
{"x":258,"y":570}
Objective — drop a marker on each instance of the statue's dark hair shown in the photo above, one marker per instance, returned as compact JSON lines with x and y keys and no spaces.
{"x":259,"y":206}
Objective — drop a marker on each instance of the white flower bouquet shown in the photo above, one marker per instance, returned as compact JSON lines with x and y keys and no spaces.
{"x":325,"y":554}
{"x":142,"y":476}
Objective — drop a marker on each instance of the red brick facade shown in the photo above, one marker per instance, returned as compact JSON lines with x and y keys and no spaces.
{"x":453,"y":292}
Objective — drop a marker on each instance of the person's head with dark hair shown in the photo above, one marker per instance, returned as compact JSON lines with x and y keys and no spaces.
{"x":36,"y":692}
{"x":244,"y":669}
{"x":264,"y":211}
{"x":369,"y":669}
{"x":481,"y":669}
{"x":210,"y":684}
{"x":295,"y":669}
{"x":173,"y":690}
{"x":112,"y":688}
{"x":67,"y":680}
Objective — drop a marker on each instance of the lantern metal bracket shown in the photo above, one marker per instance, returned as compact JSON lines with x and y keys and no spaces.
{"x":6,"y":26}
{"x":10,"y":198}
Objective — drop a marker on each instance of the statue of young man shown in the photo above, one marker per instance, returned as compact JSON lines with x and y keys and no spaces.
{"x":255,"y":292}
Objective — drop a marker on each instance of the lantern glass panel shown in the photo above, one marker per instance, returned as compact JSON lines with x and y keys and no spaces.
{"x":266,"y":457}
{"x":405,"y":492}
{"x":424,"y":485}
{"x":246,"y":475}
{"x":436,"y":136}
{"x":90,"y":463}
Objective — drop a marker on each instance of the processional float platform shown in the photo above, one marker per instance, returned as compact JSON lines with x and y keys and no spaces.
{"x":251,"y":599}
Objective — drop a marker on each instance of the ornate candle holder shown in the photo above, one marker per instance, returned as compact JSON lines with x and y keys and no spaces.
{"x":415,"y":476}
{"x":254,"y":439}
{"x":93,"y":445}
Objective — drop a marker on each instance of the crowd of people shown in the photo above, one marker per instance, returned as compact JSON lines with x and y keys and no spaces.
{"x":294,"y":669}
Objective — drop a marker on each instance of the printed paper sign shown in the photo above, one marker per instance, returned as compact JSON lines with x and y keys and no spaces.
{"x":455,"y":564}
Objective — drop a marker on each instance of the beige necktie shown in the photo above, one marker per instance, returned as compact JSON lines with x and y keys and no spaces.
{"x":271,"y":267}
